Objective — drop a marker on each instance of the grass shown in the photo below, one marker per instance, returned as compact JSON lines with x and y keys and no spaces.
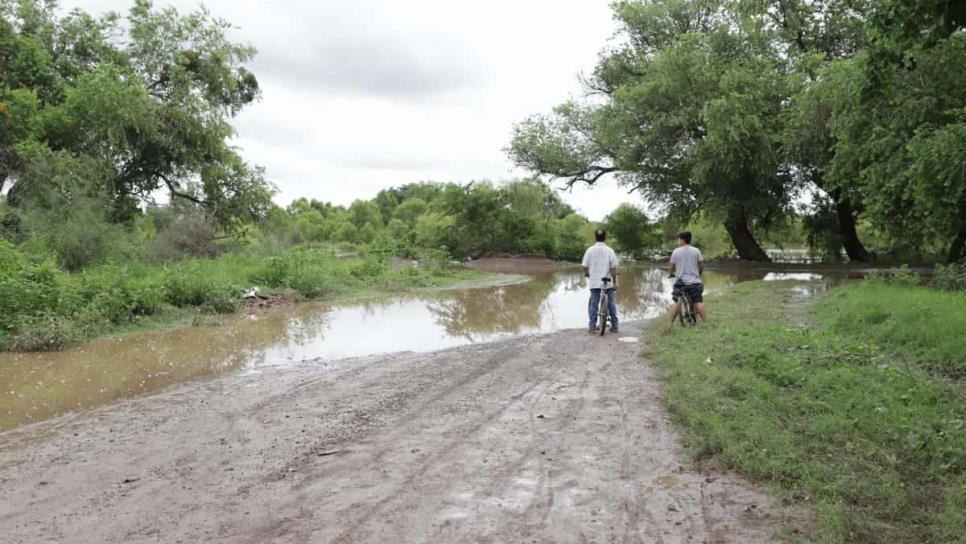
{"x":917,"y":324}
{"x":43,"y":308}
{"x":836,"y":402}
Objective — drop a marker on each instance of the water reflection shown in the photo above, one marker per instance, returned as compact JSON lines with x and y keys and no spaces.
{"x":41,"y":385}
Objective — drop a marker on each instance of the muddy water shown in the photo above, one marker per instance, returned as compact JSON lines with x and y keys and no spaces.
{"x":38,"y":386}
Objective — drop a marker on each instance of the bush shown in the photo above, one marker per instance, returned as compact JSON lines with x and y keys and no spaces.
{"x":951,"y":277}
{"x":221,"y":303}
{"x":27,"y":290}
{"x":186,"y":235}
{"x":191,"y":284}
{"x":44,"y":333}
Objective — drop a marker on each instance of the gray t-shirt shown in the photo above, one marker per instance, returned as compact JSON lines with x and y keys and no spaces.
{"x":685,"y":260}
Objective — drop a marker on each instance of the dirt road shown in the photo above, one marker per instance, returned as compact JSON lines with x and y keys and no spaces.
{"x":551,"y":438}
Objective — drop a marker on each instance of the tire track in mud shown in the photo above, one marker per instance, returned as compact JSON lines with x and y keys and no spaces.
{"x":499,"y":359}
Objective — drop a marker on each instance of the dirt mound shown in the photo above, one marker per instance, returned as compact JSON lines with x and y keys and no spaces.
{"x":516,"y":264}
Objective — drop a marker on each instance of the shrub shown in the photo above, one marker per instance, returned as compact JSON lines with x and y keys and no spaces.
{"x":220,"y":302}
{"x":951,"y":277}
{"x":28,"y":290}
{"x":48,"y":332}
{"x":192,"y":285}
{"x":189,"y":235}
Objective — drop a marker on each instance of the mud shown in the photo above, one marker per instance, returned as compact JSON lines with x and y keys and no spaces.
{"x":507,"y":264}
{"x":557,"y":438}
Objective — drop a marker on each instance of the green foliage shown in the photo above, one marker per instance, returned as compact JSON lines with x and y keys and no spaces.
{"x":43,"y":307}
{"x":950,"y":277}
{"x":690,"y":116}
{"x":848,"y":417}
{"x":146,"y":103}
{"x":632,"y":231}
{"x":738,"y":108}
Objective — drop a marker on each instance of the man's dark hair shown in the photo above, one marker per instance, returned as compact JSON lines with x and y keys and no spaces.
{"x":686,"y":236}
{"x":601,"y":235}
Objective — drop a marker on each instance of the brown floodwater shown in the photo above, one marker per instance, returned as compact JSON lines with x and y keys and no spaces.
{"x":38,"y":386}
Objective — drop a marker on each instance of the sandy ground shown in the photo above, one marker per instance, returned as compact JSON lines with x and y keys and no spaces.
{"x":518,"y":265}
{"x":555,"y":438}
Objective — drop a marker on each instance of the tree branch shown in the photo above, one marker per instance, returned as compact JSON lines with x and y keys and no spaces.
{"x":175,"y":192}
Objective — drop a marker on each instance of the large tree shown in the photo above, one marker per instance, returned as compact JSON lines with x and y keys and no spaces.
{"x":686,"y":109}
{"x":899,"y":121}
{"x":811,"y":35}
{"x":150,"y":99}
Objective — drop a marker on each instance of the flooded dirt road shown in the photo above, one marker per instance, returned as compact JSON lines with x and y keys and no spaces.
{"x":554,"y":437}
{"x":38,"y":386}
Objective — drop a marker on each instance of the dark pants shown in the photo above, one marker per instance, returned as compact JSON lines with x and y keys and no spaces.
{"x":595,"y":303}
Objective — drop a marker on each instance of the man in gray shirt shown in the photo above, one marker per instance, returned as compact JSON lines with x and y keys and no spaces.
{"x":687,"y":264}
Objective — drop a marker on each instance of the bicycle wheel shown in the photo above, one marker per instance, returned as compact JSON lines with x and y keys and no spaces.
{"x":602,"y":312}
{"x":684,"y":309}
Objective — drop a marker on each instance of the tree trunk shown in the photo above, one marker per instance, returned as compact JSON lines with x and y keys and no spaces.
{"x":958,"y":247}
{"x":742,"y":238}
{"x":850,"y":237}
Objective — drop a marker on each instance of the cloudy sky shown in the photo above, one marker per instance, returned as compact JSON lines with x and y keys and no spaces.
{"x":359,"y":95}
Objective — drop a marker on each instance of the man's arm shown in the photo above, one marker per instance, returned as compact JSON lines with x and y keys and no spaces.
{"x":700,"y":262}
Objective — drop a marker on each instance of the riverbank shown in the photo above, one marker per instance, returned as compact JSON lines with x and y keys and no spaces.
{"x":849,"y":400}
{"x":43,"y":308}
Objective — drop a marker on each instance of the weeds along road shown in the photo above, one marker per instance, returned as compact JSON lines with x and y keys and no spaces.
{"x":552,"y":438}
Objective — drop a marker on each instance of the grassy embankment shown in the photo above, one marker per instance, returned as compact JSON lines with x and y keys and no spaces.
{"x":853,"y":403}
{"x":45,"y":308}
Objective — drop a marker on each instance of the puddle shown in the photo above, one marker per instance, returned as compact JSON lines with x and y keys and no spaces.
{"x":38,"y":386}
{"x":628,"y":339}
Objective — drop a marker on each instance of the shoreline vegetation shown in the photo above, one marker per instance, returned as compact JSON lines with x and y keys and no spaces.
{"x":851,"y":401}
{"x":43,"y":308}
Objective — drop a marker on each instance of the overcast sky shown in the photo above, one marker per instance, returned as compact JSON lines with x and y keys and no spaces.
{"x":359,"y":95}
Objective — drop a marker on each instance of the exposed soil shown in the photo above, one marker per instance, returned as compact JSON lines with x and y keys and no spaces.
{"x":551,"y":438}
{"x":519,"y":264}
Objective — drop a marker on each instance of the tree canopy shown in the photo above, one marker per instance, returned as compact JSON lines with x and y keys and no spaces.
{"x":747,"y":110}
{"x":117,"y":109}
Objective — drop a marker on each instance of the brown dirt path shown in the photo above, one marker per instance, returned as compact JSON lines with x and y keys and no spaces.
{"x":551,"y":438}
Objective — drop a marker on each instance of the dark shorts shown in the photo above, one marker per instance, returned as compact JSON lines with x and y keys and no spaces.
{"x":695,"y":291}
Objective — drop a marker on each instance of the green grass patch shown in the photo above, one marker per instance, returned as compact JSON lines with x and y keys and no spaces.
{"x":917,"y":324}
{"x":840,"y":416}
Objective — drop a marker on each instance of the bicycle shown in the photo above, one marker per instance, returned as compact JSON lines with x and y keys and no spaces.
{"x":603,"y":310}
{"x":686,"y":313}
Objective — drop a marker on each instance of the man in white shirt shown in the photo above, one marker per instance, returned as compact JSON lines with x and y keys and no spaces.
{"x":600,"y":262}
{"x":687,"y":264}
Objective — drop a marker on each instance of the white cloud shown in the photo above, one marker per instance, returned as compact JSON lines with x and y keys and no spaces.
{"x":359,"y":95}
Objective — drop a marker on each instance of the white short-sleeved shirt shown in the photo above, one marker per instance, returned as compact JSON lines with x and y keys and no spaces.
{"x":685,"y":260}
{"x":599,"y":260}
